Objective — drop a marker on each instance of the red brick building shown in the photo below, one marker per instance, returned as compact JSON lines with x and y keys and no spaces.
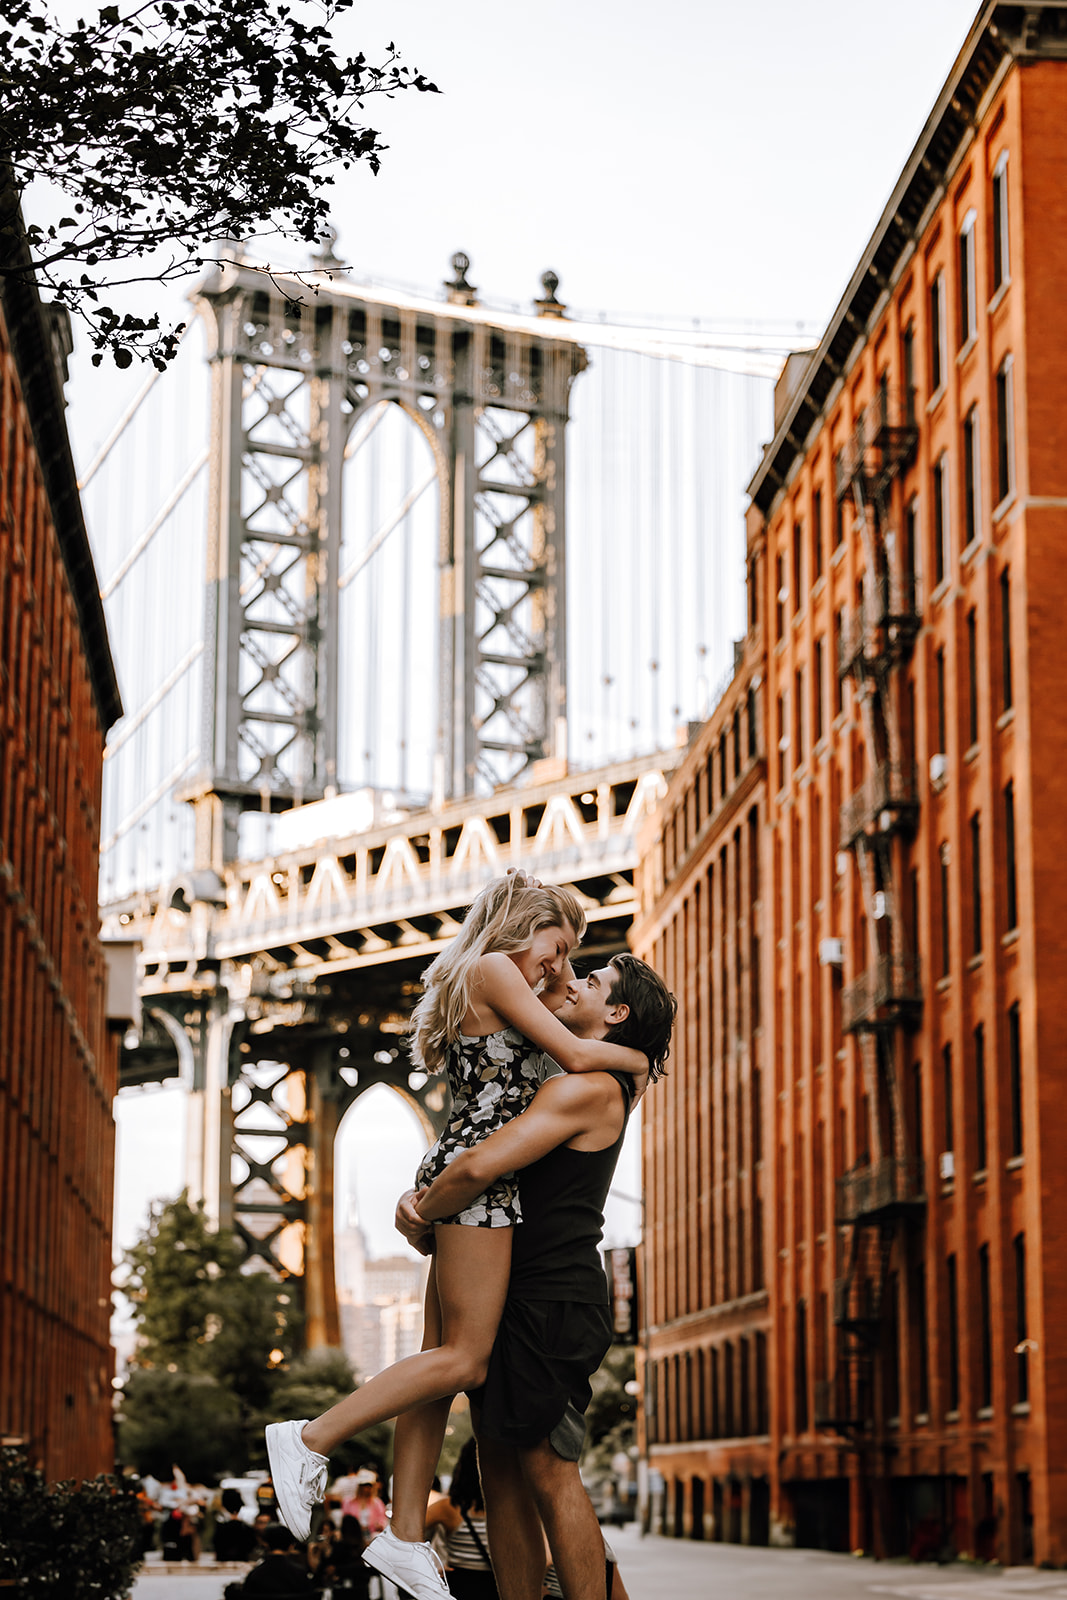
{"x":906,"y":596}
{"x":58,"y":1063}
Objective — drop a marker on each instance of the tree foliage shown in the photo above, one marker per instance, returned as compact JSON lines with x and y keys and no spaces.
{"x":181,"y":1419}
{"x":611,"y":1420}
{"x":201,"y":1311}
{"x":311,"y":1384}
{"x":81,"y":1541}
{"x":171,"y":124}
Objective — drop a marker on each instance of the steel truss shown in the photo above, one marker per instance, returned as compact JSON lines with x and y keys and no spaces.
{"x":296,"y":370}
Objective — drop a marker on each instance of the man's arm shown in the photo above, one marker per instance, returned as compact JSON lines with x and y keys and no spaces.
{"x":560,"y":1110}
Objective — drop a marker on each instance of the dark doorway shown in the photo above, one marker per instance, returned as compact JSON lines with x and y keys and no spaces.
{"x":679,"y":1508}
{"x":821,"y":1512}
{"x":696,"y":1497}
{"x":719,"y":1532}
{"x":759,"y":1512}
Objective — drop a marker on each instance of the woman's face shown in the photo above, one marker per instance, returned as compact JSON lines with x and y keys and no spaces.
{"x":544,"y":959}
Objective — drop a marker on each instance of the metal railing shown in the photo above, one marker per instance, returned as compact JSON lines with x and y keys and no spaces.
{"x":886,"y":426}
{"x":888,"y":992}
{"x":888,"y":1186}
{"x":888,"y":618}
{"x":892,"y":788}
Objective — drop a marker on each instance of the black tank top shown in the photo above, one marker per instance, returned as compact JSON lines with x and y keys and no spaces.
{"x":556,"y":1250}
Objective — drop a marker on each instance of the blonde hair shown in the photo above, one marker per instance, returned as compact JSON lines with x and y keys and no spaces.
{"x":503,"y":918}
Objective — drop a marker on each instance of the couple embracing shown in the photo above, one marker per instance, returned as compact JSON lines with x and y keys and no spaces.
{"x":509,"y":1205}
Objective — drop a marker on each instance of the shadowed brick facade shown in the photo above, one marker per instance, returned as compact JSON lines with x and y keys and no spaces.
{"x":907,"y":591}
{"x":58,"y":1063}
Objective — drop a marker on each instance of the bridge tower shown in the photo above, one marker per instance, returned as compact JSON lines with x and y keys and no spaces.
{"x":301,"y":365}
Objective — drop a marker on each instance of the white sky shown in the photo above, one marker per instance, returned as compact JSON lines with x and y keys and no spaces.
{"x":685,"y":159}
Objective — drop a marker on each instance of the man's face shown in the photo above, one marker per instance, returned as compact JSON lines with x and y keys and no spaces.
{"x":586,"y":1010}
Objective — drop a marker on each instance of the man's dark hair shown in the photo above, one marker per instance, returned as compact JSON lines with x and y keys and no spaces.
{"x":275,"y":1537}
{"x":652,"y":1011}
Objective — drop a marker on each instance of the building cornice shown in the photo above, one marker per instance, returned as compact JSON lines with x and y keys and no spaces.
{"x":1000,"y":34}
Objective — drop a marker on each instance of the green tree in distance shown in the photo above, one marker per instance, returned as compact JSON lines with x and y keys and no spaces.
{"x":200,"y":1310}
{"x":168,"y":125}
{"x":181,"y":1419}
{"x":311,"y":1384}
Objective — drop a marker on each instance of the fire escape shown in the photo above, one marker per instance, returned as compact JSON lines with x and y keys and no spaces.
{"x":884,"y":1190}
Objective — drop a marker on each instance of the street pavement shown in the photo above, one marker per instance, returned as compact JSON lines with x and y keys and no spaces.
{"x":677,"y":1569}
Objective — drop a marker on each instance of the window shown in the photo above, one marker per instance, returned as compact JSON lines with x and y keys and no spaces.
{"x":839,"y":682}
{"x":942,"y":531}
{"x":945,"y":951}
{"x":801,"y":1367}
{"x":816,"y":532}
{"x":922,"y":1386}
{"x":907,"y":364}
{"x":917,"y":1107}
{"x":798,"y":715}
{"x":782,"y":594}
{"x":750,"y":718}
{"x":783,"y":742}
{"x":950,"y":1099}
{"x":976,"y":885}
{"x":911,"y":552}
{"x":968,"y":285}
{"x":1005,"y":430}
{"x":981,"y":1127}
{"x":736,"y":731}
{"x":818,"y":690}
{"x":938,"y":362}
{"x":798,"y":565}
{"x":753,"y":592}
{"x":985,"y":1368}
{"x":939,"y":678}
{"x":1001,"y":262}
{"x":839,"y":504}
{"x":1015,"y":1079}
{"x":1005,"y":638}
{"x":953,"y":1335}
{"x":972,"y":486}
{"x":1022,"y":1354}
{"x":972,"y":677}
{"x":1011,"y":897}
{"x":723,"y":774}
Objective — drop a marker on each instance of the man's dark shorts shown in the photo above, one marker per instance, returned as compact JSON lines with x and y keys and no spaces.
{"x":537,"y":1386}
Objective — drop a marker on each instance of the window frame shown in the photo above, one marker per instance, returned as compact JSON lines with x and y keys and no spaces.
{"x":1004,"y":384}
{"x":1000,"y":232}
{"x":968,"y":282}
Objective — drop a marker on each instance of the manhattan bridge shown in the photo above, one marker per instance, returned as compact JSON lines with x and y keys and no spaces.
{"x":403,"y":590}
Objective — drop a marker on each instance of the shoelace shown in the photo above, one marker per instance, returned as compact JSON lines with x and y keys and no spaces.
{"x":435,"y":1558}
{"x":313,"y":1478}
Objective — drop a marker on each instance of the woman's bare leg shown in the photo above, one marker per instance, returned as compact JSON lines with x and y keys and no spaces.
{"x":419,"y":1436}
{"x":472,"y":1267}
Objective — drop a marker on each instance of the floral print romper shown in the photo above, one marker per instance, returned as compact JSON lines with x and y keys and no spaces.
{"x":492,"y":1076}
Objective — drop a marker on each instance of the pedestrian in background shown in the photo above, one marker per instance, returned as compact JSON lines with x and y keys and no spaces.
{"x":468,"y":1569}
{"x":366,"y":1505}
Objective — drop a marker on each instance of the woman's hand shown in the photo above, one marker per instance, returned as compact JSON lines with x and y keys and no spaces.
{"x":414,"y":1228}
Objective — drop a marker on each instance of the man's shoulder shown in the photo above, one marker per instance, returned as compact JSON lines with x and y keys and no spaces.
{"x":574,"y":1089}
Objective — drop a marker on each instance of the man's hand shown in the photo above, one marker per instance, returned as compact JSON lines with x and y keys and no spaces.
{"x":415,"y":1230}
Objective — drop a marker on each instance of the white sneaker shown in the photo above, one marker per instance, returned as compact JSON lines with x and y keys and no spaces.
{"x":415,"y":1568}
{"x":298,"y":1475}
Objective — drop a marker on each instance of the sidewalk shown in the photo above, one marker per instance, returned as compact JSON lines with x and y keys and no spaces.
{"x":679,"y":1569}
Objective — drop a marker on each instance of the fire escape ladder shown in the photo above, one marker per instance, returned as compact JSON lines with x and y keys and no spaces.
{"x":885,"y":1190}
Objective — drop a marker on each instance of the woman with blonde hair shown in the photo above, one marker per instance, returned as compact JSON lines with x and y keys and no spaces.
{"x":480,"y":1019}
